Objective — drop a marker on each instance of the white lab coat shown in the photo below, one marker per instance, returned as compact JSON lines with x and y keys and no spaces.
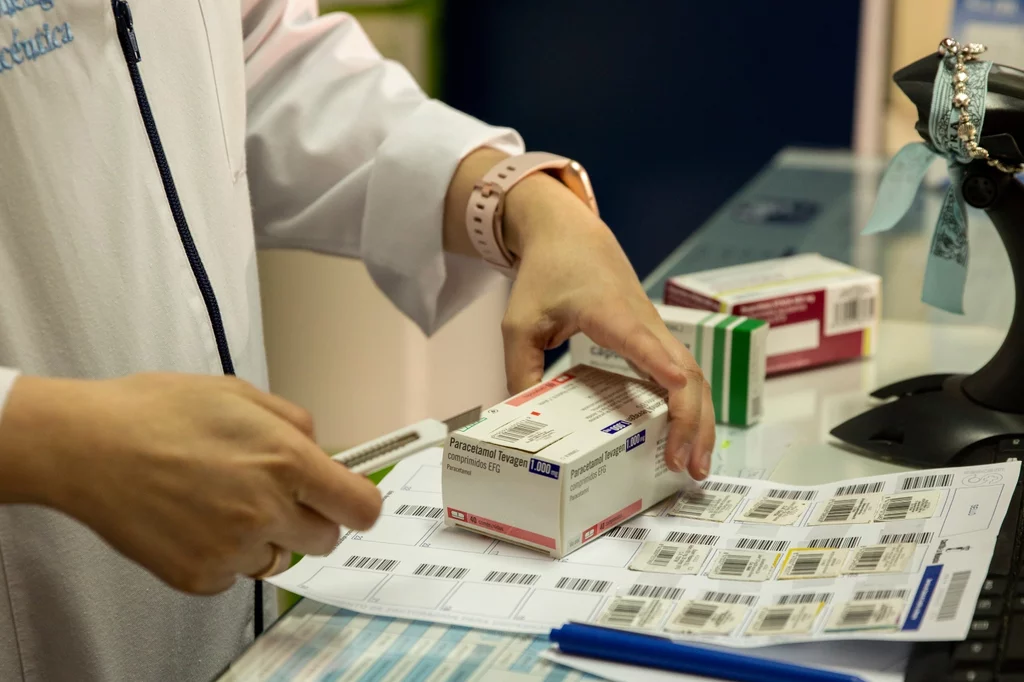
{"x":280,"y":129}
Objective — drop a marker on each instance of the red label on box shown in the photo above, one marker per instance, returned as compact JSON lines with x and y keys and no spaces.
{"x":502,"y":528}
{"x":613,"y":520}
{"x":538,"y":390}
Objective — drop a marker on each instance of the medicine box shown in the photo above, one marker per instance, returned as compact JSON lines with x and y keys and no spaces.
{"x":819,"y":310}
{"x":730,"y":350}
{"x":555,"y":467}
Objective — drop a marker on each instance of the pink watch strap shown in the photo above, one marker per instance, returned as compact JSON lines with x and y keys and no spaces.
{"x":485,"y":210}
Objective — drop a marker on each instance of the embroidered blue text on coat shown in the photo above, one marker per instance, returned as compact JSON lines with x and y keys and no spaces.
{"x":24,"y":46}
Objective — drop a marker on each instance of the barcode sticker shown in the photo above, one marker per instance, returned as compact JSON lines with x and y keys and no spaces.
{"x":420,"y":510}
{"x":670,"y":557}
{"x":706,"y":506}
{"x":745,"y":565}
{"x":879,"y":559}
{"x":880,"y":595}
{"x":446,"y":572}
{"x":775,"y":511}
{"x":628,"y":533}
{"x":909,"y":506}
{"x":801,"y":495}
{"x":954,"y":595}
{"x":804,"y":598}
{"x":911,"y":538}
{"x":796,"y":619}
{"x":860,"y":488}
{"x":527,"y":434}
{"x":802,"y":564}
{"x":761,"y":545}
{"x":692,"y":538}
{"x":867,"y":615}
{"x":723,"y":487}
{"x":706,"y":618}
{"x":926,"y":481}
{"x":850,"y":308}
{"x":730,"y":598}
{"x":506,"y":578}
{"x":845,"y":510}
{"x":639,"y":613}
{"x":847,"y":542}
{"x":583,"y":585}
{"x":368,"y":563}
{"x":655,"y":592}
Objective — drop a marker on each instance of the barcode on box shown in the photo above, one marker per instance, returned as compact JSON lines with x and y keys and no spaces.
{"x":954,"y":595}
{"x":624,"y":612}
{"x":928,"y":481}
{"x":696,"y":615}
{"x":582,"y":585}
{"x":860,"y":488}
{"x":524,"y":428}
{"x":764,"y":508}
{"x":734,"y":565}
{"x":507,"y":578}
{"x":722,"y":487}
{"x":833,"y":543}
{"x":806,"y":598}
{"x":419,"y":510}
{"x":755,"y":407}
{"x":655,"y":592}
{"x":692,"y":538}
{"x":435,"y":571}
{"x":853,"y":311}
{"x":903,"y":538}
{"x":761,"y":545}
{"x":874,"y":595}
{"x":369,"y":563}
{"x":805,"y":564}
{"x":840,"y":510}
{"x":801,"y":495}
{"x":868,"y":559}
{"x":897,"y":508}
{"x":731,"y":598}
{"x":628,"y":533}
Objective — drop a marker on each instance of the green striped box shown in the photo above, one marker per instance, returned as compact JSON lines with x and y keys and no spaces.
{"x":730,"y":349}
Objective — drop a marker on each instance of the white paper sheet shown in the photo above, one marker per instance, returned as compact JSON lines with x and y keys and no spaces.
{"x":900,"y":557}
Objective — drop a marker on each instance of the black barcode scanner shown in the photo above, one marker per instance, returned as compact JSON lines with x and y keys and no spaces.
{"x":952,"y":419}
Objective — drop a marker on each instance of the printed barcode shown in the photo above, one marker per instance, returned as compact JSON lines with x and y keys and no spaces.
{"x":628,"y":533}
{"x":955,"y":593}
{"x":775,"y":619}
{"x":869,"y":558}
{"x":370,"y":563}
{"x":520,"y":430}
{"x":762,"y":545}
{"x":694,"y":507}
{"x":869,"y":595}
{"x":734,"y":564}
{"x":624,"y":611}
{"x":853,"y":310}
{"x":840,"y":510}
{"x":764,"y":508}
{"x":655,"y":592}
{"x":860,"y":488}
{"x":806,"y":598}
{"x":897,"y":508}
{"x":696,"y":615}
{"x":692,"y":538}
{"x":730,"y":598}
{"x":900,"y":538}
{"x":435,"y":571}
{"x":834,"y":543}
{"x":722,"y":487}
{"x":419,"y":510}
{"x":755,"y":407}
{"x":929,"y":481}
{"x":511,"y":578}
{"x":857,"y":615}
{"x":582,"y":585}
{"x":806,"y":563}
{"x":803,"y":495}
{"x":662,"y":555}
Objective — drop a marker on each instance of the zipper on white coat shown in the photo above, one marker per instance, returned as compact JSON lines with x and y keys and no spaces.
{"x":132,"y":57}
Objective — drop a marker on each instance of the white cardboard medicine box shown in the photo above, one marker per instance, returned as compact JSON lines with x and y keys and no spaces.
{"x":561,"y":463}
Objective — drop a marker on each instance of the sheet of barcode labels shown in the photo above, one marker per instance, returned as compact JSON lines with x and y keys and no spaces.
{"x":741,"y":563}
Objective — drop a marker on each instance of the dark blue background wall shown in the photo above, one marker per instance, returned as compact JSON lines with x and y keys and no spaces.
{"x":670,"y":104}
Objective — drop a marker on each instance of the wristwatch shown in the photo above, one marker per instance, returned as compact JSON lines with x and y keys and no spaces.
{"x":486,"y":208}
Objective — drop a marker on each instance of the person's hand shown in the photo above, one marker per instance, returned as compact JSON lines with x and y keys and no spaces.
{"x":195,"y":478}
{"x":574,"y":277}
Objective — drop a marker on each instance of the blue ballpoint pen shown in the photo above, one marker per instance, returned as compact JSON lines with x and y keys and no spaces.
{"x":657,"y":652}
